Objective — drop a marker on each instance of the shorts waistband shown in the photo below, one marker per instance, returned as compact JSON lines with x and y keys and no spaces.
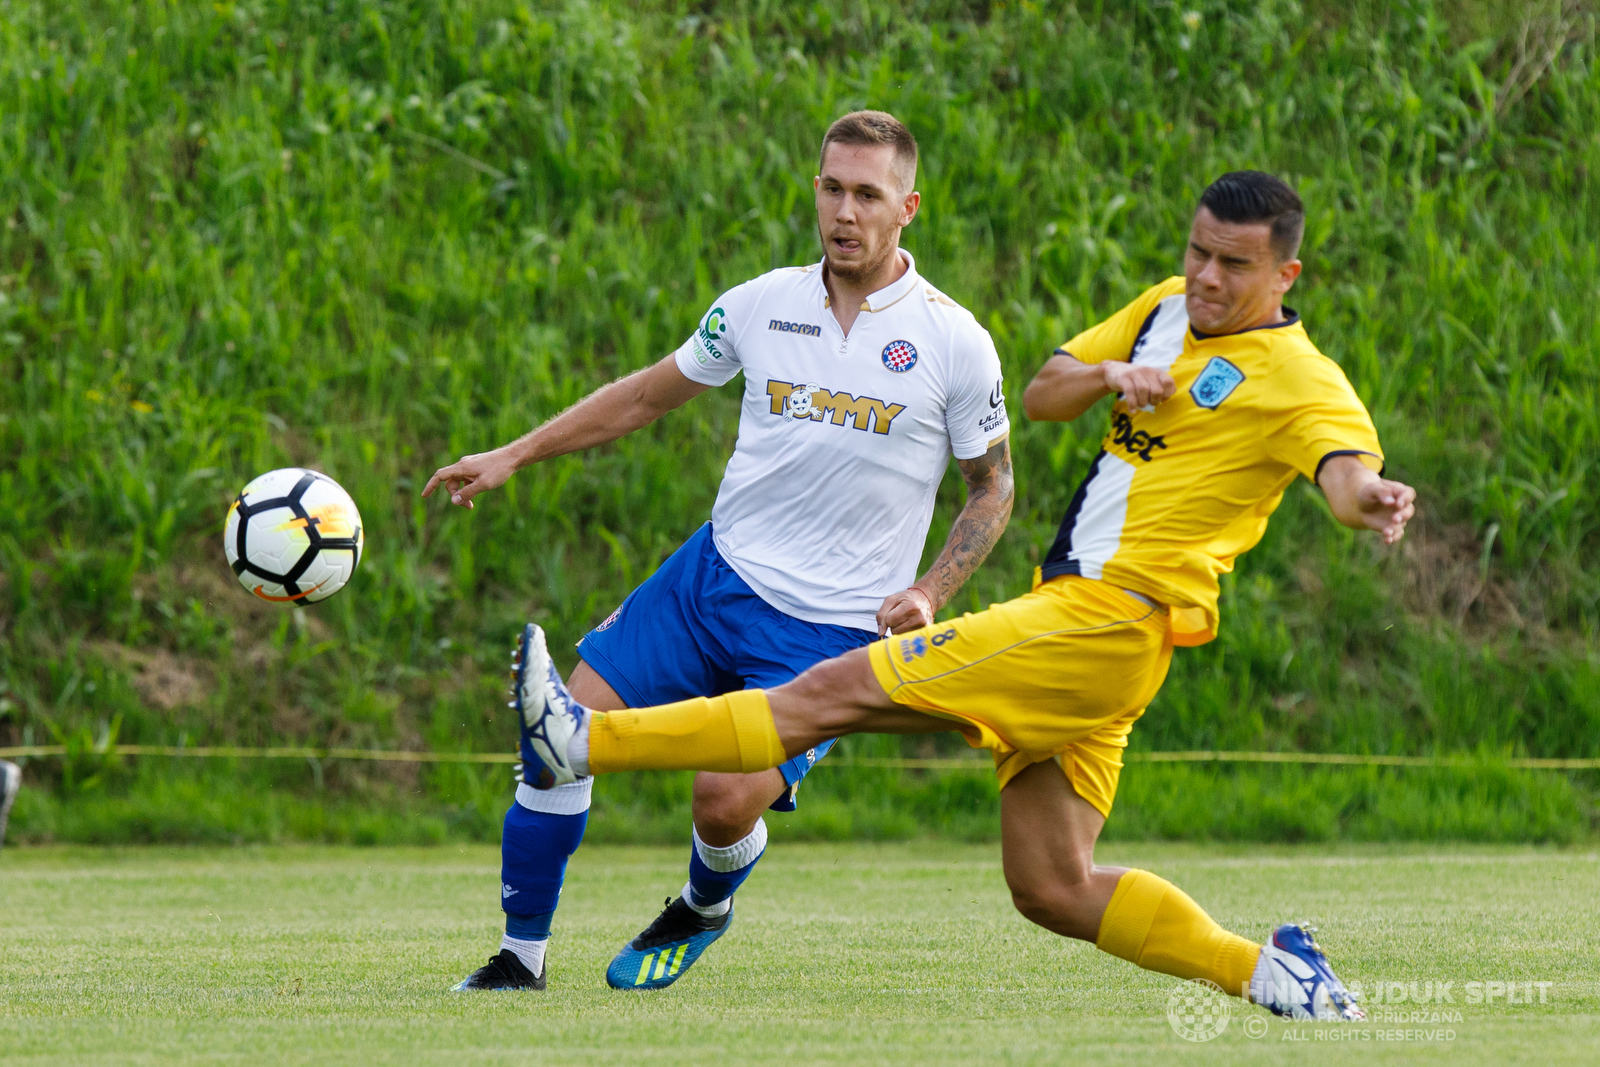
{"x":1039,"y":578}
{"x":1146,"y":601}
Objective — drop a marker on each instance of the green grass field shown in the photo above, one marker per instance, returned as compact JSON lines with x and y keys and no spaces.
{"x":840,"y":954}
{"x":371,"y":235}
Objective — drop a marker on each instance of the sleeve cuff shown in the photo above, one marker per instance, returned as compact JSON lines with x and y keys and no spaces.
{"x":704,"y":374}
{"x":973,"y":449}
{"x":1062,"y":351}
{"x":1348,"y":452}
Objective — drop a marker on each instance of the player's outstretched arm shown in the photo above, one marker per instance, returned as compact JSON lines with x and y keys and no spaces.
{"x":1066,"y":387}
{"x":1364,"y":500}
{"x":990,"y":492}
{"x":610,"y":412}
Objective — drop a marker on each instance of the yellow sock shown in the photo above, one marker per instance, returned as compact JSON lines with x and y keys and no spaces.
{"x":1155,"y":924}
{"x":734,"y":733}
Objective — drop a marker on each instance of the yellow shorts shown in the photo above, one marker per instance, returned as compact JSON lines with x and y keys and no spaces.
{"x":1061,"y":673}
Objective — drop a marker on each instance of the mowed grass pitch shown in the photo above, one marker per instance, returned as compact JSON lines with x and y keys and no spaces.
{"x":858,"y":953}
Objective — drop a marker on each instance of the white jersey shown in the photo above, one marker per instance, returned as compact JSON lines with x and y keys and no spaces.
{"x":842,"y":443}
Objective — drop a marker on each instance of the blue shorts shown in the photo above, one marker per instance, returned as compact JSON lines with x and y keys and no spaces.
{"x":695,"y":629}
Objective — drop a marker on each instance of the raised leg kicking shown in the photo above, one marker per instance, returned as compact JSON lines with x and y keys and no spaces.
{"x":1223,"y":401}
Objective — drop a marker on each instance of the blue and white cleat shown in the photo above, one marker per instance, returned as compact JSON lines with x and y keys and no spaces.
{"x":10,"y":783}
{"x":1293,"y":979}
{"x":550,"y":717}
{"x":666,"y":949}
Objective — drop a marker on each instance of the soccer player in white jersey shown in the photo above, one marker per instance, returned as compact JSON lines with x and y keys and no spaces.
{"x":861,"y":381}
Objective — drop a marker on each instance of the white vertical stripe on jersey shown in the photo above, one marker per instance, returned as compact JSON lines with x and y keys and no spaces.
{"x":1162,"y":343}
{"x":1098,"y":531}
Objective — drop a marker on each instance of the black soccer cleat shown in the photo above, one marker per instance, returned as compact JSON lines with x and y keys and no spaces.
{"x":667,"y":948}
{"x":503,"y":971}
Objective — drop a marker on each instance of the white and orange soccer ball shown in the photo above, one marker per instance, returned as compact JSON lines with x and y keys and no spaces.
{"x":293,"y":536}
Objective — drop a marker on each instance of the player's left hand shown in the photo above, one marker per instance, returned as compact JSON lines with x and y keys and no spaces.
{"x":1386,"y":506}
{"x":905,"y":610}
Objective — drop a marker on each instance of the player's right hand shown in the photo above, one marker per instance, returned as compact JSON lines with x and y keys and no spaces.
{"x":1141,"y":387}
{"x":471,"y":475}
{"x":905,"y":610}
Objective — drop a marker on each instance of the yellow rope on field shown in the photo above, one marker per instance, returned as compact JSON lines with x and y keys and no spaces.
{"x":967,"y":764}
{"x":233,"y":752}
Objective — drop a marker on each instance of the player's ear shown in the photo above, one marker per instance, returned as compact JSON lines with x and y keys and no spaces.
{"x":1287,"y":273}
{"x":909,"y":209}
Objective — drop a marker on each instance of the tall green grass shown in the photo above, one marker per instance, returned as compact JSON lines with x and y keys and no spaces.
{"x":373,"y":236}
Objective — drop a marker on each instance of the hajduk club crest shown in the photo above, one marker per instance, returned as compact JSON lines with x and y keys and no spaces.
{"x":899,"y":356}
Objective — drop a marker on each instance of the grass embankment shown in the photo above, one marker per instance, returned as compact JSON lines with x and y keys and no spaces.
{"x":373,"y":236}
{"x":840,"y":954}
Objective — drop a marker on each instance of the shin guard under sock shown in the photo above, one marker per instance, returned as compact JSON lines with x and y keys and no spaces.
{"x":534,"y":848}
{"x":733,"y":733}
{"x":1153,"y":923}
{"x":714,"y":873}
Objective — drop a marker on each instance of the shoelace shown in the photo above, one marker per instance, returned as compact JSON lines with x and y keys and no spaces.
{"x":676,"y":921}
{"x":498,"y":968}
{"x":662,"y":920}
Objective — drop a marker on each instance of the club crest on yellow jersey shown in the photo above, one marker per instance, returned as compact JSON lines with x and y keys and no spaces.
{"x":1219,"y":379}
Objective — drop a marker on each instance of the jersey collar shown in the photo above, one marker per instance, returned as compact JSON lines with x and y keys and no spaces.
{"x":886,"y":297}
{"x":1290,"y":317}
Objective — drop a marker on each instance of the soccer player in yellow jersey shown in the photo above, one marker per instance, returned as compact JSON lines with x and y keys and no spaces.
{"x":1223,"y":401}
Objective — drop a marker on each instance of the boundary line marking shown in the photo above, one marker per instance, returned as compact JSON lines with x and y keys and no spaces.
{"x":969,"y":764}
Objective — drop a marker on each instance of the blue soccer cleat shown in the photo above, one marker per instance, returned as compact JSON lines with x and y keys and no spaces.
{"x":549,"y":715}
{"x":666,"y":949}
{"x":1293,"y":979}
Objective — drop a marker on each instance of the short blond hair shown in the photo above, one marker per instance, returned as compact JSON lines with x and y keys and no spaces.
{"x":877,"y":128}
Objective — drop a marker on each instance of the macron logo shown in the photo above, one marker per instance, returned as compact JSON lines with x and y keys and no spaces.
{"x":803,"y":328}
{"x":506,"y":892}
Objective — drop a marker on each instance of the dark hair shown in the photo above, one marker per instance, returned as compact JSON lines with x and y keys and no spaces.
{"x":1255,"y":196}
{"x":876,"y":128}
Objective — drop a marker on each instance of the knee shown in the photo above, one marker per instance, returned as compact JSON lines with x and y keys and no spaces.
{"x":726,"y":806}
{"x":1056,"y":903}
{"x":1044,"y":905}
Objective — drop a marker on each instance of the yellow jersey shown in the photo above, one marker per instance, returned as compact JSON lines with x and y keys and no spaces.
{"x":1181,"y":489}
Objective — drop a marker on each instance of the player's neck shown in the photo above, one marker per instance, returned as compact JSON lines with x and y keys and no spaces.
{"x":847,"y":296}
{"x":1270,"y":315}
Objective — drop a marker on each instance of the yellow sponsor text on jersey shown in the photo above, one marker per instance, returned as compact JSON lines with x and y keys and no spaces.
{"x":813,"y":402}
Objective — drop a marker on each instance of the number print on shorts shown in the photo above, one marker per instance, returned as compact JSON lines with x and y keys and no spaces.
{"x":912,"y":647}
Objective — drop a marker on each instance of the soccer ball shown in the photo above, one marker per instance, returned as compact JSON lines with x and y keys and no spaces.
{"x":293,"y":536}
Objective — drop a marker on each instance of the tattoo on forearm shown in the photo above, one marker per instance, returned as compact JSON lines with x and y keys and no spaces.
{"x":990,"y":491}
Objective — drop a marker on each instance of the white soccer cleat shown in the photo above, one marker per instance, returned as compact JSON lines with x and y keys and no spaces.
{"x":10,"y":783}
{"x":1293,"y":979}
{"x":550,"y":717}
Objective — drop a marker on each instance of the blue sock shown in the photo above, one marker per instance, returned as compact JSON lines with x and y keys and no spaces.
{"x":714,"y":873}
{"x":534,"y":849}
